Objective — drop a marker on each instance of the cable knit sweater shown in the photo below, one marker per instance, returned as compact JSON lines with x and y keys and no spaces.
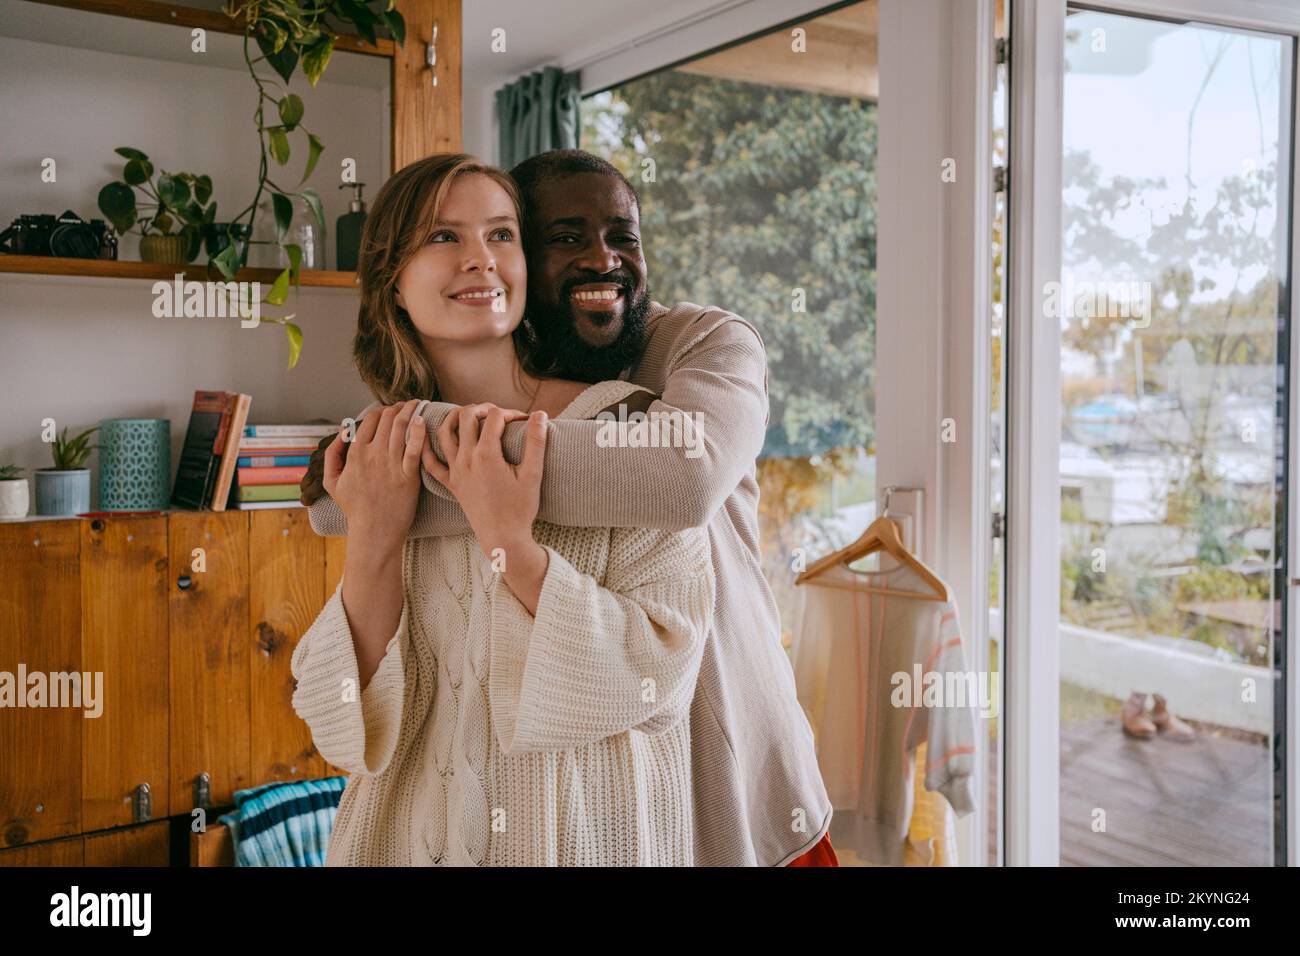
{"x":759,"y":795}
{"x":490,"y":737}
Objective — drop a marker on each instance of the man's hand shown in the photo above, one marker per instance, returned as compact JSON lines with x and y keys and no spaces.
{"x":313,"y":483}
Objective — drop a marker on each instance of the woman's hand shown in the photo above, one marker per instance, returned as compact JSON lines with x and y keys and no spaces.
{"x":499,"y":499}
{"x":378,"y":485}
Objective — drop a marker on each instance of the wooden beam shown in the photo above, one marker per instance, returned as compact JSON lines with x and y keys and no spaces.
{"x":427,"y":118}
{"x":836,"y":61}
{"x":213,"y":20}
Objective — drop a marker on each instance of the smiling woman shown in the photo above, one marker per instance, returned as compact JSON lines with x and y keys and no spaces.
{"x":473,"y":261}
{"x":425,"y":221}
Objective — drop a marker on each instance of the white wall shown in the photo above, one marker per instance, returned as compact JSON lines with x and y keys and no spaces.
{"x":478,"y":118}
{"x":78,"y":349}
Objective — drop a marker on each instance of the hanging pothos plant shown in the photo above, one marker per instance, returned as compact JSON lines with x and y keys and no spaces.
{"x":290,"y":33}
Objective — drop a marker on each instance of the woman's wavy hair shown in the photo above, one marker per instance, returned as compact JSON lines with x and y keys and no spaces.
{"x":387,"y":348}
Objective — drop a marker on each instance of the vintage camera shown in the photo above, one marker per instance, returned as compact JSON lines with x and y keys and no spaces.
{"x":67,"y":235}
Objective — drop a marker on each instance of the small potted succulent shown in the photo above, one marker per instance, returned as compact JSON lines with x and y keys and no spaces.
{"x":177,"y":201}
{"x":13,"y":492}
{"x":65,"y":488}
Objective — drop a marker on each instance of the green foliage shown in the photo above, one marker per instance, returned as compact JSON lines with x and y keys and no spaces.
{"x":178,"y":199}
{"x":71,"y":453}
{"x":10,"y":472}
{"x":289,"y":33}
{"x":759,"y":191}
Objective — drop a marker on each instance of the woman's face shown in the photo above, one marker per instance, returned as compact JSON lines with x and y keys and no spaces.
{"x":467,"y":284}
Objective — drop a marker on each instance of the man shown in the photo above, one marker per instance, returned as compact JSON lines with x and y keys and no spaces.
{"x":759,"y":796}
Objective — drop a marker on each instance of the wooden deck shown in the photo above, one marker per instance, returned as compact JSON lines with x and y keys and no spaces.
{"x":1204,"y":803}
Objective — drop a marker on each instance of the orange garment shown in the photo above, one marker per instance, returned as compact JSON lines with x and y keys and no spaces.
{"x":822,"y":854}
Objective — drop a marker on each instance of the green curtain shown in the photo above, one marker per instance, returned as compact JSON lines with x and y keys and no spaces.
{"x":537,"y":112}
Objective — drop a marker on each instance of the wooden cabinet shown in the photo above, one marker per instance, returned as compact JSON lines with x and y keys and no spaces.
{"x":287,"y":592}
{"x":124,"y":638}
{"x":189,"y":619}
{"x":40,"y":632}
{"x":146,"y":845}
{"x":207,"y":596}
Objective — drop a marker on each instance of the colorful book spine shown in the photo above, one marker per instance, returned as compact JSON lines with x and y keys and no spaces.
{"x":272,"y":461}
{"x":253,"y":505}
{"x":297,"y":431}
{"x":270,"y":476}
{"x":280,"y":492}
{"x":226,"y":469}
{"x":199,"y":455}
{"x":279,"y":446}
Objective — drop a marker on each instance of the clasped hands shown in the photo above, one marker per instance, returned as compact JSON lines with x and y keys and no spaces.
{"x":375,"y":477}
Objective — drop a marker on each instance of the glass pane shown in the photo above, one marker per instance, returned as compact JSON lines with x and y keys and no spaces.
{"x":767,"y":188}
{"x":757,"y":172}
{"x":1177,"y":153}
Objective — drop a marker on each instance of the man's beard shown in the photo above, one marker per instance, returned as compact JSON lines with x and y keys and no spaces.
{"x":562,"y":352}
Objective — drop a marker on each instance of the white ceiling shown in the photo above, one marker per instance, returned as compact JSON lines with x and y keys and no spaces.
{"x":565,"y":33}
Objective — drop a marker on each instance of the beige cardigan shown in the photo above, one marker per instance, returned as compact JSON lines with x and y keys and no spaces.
{"x":490,"y":737}
{"x":759,"y":796}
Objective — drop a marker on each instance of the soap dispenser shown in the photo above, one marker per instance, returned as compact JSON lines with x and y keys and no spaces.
{"x":349,"y":234}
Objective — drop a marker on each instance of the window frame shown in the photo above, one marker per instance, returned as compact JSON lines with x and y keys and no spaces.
{"x":1037,"y":41}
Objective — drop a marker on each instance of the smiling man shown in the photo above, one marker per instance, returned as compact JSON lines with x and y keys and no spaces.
{"x":587,"y":300}
{"x":758,"y":794}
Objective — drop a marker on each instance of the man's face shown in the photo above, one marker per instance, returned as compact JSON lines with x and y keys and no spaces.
{"x":587,"y":295}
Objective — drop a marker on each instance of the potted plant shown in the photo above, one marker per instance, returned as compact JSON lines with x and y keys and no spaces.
{"x":13,"y":492}
{"x":179,"y":201}
{"x":65,"y":488}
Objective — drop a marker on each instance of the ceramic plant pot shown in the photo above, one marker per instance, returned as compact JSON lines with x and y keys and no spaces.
{"x":172,"y":250}
{"x":62,"y":492}
{"x":14,"y":498}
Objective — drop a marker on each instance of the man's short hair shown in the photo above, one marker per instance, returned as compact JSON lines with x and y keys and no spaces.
{"x":559,"y":164}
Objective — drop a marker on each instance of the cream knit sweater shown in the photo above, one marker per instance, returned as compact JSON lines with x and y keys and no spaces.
{"x":489,"y":738}
{"x":759,"y":795}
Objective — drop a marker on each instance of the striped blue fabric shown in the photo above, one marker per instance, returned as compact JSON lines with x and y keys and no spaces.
{"x":284,"y":824}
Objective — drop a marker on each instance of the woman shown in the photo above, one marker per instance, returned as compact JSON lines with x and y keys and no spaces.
{"x":518,"y":696}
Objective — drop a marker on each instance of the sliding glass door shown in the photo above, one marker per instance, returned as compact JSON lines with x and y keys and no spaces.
{"x":1173,"y":304}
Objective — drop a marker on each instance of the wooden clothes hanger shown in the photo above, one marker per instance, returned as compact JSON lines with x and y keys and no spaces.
{"x":881,"y":535}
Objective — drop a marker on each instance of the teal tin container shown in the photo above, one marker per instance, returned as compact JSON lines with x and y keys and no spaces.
{"x":135,"y":456}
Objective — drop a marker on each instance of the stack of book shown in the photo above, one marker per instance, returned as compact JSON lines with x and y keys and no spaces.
{"x":227,"y":463}
{"x":272,"y":461}
{"x":207,"y":469}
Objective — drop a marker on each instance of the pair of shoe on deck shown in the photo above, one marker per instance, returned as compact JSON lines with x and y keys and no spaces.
{"x":1143,"y":725}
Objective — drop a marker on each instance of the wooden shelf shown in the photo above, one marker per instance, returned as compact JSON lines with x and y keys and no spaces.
{"x":122,"y":269}
{"x":212,"y":20}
